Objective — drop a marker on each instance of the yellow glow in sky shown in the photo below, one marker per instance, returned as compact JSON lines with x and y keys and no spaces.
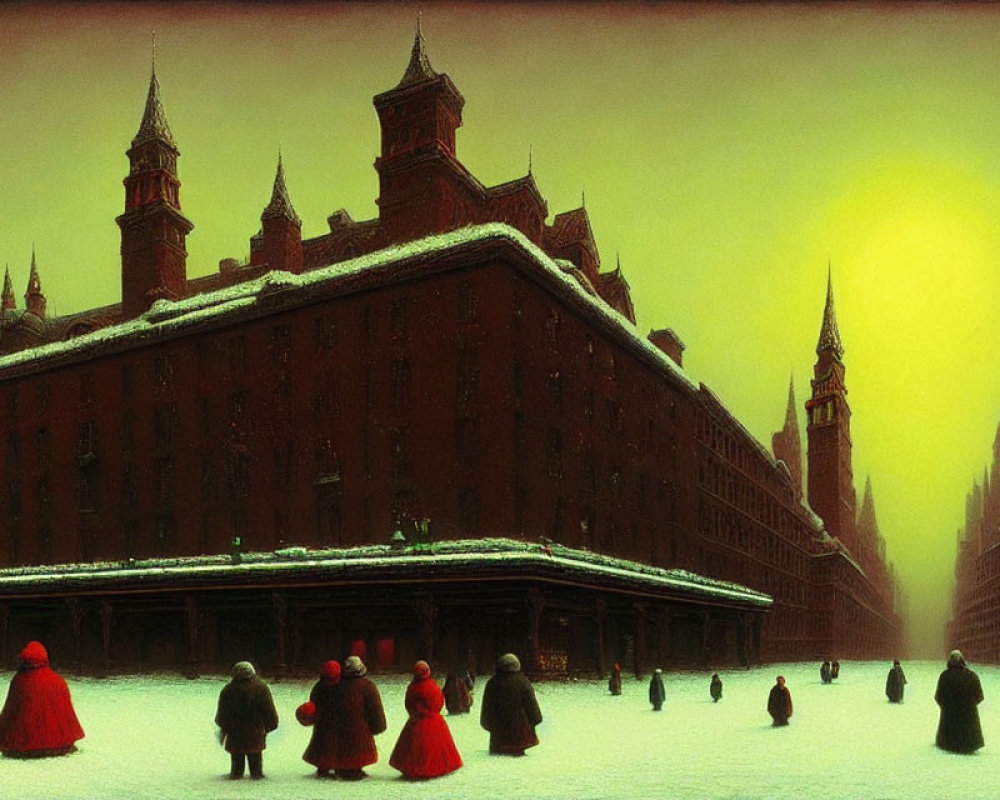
{"x":729,"y":153}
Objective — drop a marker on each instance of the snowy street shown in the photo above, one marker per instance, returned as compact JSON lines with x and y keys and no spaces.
{"x":153,"y":737}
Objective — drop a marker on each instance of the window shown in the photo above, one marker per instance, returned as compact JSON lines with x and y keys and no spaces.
{"x":556,"y":392}
{"x":401,"y":382}
{"x":13,"y":450}
{"x":554,"y":453}
{"x":468,"y":374}
{"x":397,"y":319}
{"x":207,"y":476}
{"x":163,"y":373}
{"x":326,"y":332}
{"x":553,"y":326}
{"x":127,"y":380}
{"x":467,"y":440}
{"x":165,"y":480}
{"x":165,"y":419}
{"x":236,"y":348}
{"x":86,"y":441}
{"x":468,"y":303}
{"x":87,"y":388}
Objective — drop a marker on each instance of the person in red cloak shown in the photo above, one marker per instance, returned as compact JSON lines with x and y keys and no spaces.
{"x":425,"y":748}
{"x":38,"y":718}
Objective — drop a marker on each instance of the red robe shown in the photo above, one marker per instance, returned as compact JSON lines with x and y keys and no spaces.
{"x":425,"y":748}
{"x":38,"y":718}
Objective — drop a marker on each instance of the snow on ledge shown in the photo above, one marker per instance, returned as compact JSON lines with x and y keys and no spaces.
{"x":373,"y":558}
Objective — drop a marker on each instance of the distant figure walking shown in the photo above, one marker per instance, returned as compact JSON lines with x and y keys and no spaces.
{"x":715,"y":688}
{"x":38,"y":717}
{"x":657,"y":694}
{"x":835,"y":670}
{"x":510,"y":711}
{"x":358,"y":716}
{"x":615,"y":681}
{"x":895,"y":683}
{"x":322,"y":748}
{"x":958,"y":693}
{"x":825,"y":674}
{"x":457,"y":696}
{"x":779,"y":703}
{"x":425,"y":748}
{"x":245,"y":716}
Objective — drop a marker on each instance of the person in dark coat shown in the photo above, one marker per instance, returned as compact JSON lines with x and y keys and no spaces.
{"x":509,"y":710}
{"x":779,"y":703}
{"x":457,"y":696}
{"x":834,"y":670}
{"x":715,"y":687}
{"x":38,"y":717}
{"x":245,"y":716}
{"x":894,"y":683}
{"x":615,"y":681}
{"x":425,"y":748}
{"x":958,"y":693}
{"x":357,"y":713}
{"x":657,"y":694}
{"x":323,"y":742}
{"x":825,"y":673}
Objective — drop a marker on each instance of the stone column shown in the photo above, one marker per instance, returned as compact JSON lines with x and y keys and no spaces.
{"x":536,"y":605}
{"x":106,"y":618}
{"x":192,"y":620}
{"x":600,"y":613}
{"x":280,"y":615}
{"x":76,"y":617}
{"x":639,"y":609}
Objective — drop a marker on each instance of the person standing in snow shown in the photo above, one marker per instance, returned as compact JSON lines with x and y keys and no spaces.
{"x":895,"y":683}
{"x":779,"y":703}
{"x":245,"y":716}
{"x":509,"y":710}
{"x":38,"y":717}
{"x":615,"y":681}
{"x":715,"y":688}
{"x":958,"y":693}
{"x":323,"y":742}
{"x":825,"y":673}
{"x":457,"y":696}
{"x":834,"y":670}
{"x":356,"y":709}
{"x":657,"y":694}
{"x":425,"y":748}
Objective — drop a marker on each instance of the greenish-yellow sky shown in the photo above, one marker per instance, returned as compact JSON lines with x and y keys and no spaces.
{"x":727,"y":152}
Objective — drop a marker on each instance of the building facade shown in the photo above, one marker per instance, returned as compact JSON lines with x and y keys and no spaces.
{"x":456,"y":370}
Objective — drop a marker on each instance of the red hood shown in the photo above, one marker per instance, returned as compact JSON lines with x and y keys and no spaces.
{"x":34,"y":654}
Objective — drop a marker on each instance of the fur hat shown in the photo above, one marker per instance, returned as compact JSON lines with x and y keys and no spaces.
{"x":508,"y":662}
{"x":243,"y":670}
{"x":956,"y":659}
{"x":421,"y":670}
{"x":354,"y":667}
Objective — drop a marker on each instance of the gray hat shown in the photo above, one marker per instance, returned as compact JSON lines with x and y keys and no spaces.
{"x":354,"y":667}
{"x":508,"y":662}
{"x":243,"y":670}
{"x":956,"y":659}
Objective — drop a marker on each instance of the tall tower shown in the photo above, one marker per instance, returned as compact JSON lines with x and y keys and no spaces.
{"x":828,"y":432}
{"x":154,"y":258}
{"x":787,"y":443}
{"x":34,"y":300}
{"x":421,"y":187}
{"x":281,"y":228}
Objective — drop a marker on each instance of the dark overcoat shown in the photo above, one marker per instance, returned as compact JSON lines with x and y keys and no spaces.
{"x":356,"y":710}
{"x":457,"y":695}
{"x":958,"y":693}
{"x":715,"y":688}
{"x":323,"y":742}
{"x":894,"y":684}
{"x":246,"y":715}
{"x":510,"y":713}
{"x":779,"y":704}
{"x":657,"y":694}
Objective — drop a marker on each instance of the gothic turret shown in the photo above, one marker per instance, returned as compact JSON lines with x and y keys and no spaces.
{"x":831,"y":482}
{"x":281,"y":229}
{"x":422,"y":187}
{"x":787,"y":443}
{"x":154,"y":255}
{"x":34,"y":300}
{"x":7,"y":302}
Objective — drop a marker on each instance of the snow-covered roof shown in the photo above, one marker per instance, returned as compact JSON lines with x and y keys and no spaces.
{"x":371,"y":562}
{"x":167,"y":317}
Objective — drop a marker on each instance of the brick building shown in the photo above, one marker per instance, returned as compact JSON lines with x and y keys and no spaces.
{"x":457,"y":370}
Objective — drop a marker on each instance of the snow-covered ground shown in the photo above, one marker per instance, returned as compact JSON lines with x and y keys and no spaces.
{"x":153,"y":737}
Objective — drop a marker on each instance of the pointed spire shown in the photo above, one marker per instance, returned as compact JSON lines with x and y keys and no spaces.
{"x":34,"y":300}
{"x":583,"y":198}
{"x":154,"y":119}
{"x":281,"y":204}
{"x":419,"y":69}
{"x":829,"y":335}
{"x":7,"y":302}
{"x":529,"y":159}
{"x":867,"y":521}
{"x":791,"y":417}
